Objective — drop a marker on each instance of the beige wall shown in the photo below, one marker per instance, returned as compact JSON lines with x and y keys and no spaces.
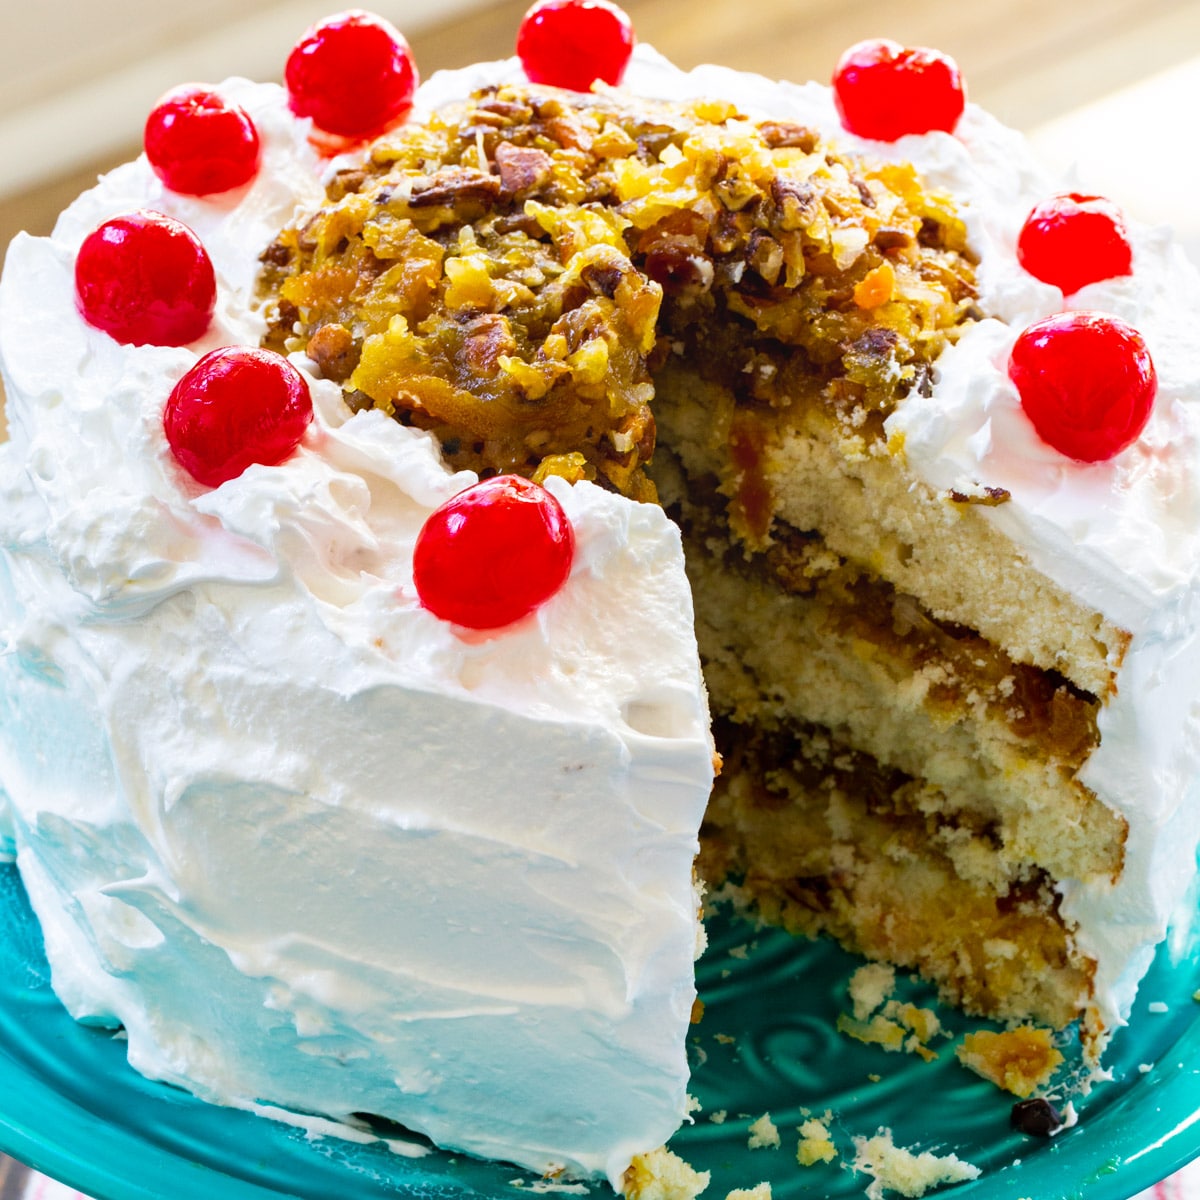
{"x":78,"y":76}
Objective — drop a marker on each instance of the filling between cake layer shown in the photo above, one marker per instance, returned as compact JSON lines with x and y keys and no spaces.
{"x":903,"y":702}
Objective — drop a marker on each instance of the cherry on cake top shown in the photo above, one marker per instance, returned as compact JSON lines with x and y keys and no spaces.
{"x":198,"y":143}
{"x":353,"y":74}
{"x":492,"y":554}
{"x":884,"y":90}
{"x":1071,"y":240}
{"x":238,"y":405}
{"x":145,"y":279}
{"x":572,"y":43}
{"x":1086,"y":381}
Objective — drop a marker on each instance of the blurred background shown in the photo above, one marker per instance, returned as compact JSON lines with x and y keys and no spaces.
{"x":1110,"y":85}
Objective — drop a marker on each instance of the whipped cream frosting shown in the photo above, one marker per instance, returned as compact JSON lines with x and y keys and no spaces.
{"x":441,"y":878}
{"x":310,"y":845}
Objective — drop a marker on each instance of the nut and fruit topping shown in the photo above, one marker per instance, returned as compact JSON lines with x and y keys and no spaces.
{"x":199,"y":143}
{"x":236,"y":406}
{"x":1072,"y":240}
{"x":493,"y":553}
{"x":1086,"y":382}
{"x":512,"y":274}
{"x":572,"y":43}
{"x":884,"y":90}
{"x":145,"y":279}
{"x":353,"y":74}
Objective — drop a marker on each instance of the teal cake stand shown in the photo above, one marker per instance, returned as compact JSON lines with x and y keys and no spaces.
{"x":71,"y":1106}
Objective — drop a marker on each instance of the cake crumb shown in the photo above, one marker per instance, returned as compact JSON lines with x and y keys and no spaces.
{"x":870,"y":986}
{"x":718,"y":1118}
{"x":691,"y":1104}
{"x":741,"y":952}
{"x":893,"y":1168}
{"x":760,"y":1191}
{"x":1019,"y":1060}
{"x":894,"y":1025}
{"x":662,"y":1175}
{"x":725,"y":1039}
{"x":878,"y":1031}
{"x":764,"y":1135}
{"x":898,"y":1027}
{"x":815,"y":1143}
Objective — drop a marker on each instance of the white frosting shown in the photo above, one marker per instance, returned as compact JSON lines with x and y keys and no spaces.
{"x":311,"y":845}
{"x":316,"y":849}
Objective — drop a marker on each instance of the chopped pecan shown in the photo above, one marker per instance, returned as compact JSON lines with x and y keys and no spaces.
{"x":603,"y":278}
{"x":276,"y":255}
{"x":347,"y":182}
{"x":455,"y":187}
{"x":357,"y":401}
{"x":488,"y":336}
{"x":645,"y":446}
{"x":523,"y":169}
{"x":765,"y":255}
{"x":512,"y":112}
{"x":922,"y":381}
{"x":795,"y":203}
{"x":332,"y":348}
{"x":877,"y":341}
{"x":864,"y":192}
{"x":676,"y":264}
{"x":568,"y":131}
{"x":932,"y":236}
{"x":779,"y":135}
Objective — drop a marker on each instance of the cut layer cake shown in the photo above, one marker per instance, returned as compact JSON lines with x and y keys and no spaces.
{"x":337,"y":832}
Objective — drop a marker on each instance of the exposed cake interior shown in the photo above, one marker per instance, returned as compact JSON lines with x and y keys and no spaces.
{"x":719,"y":315}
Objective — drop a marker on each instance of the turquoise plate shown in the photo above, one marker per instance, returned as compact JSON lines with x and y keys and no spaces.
{"x":71,"y":1106}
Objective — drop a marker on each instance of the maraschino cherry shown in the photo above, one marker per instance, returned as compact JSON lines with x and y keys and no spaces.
{"x":1072,"y":240}
{"x":238,"y":405}
{"x":572,"y":43}
{"x":353,"y":74}
{"x":884,"y":90}
{"x":145,"y":279}
{"x":1086,"y":382}
{"x":493,"y":553}
{"x":199,"y":143}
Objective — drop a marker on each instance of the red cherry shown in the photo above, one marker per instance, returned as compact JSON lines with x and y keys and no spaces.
{"x":238,"y":405}
{"x":1086,"y":382}
{"x":571,"y":43}
{"x":353,"y":73}
{"x":199,"y":143}
{"x":145,"y":279}
{"x":493,"y":553}
{"x":884,"y":90}
{"x":1072,"y":240}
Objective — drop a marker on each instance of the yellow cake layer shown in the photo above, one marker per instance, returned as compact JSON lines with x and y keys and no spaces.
{"x":774,"y":657}
{"x":867,"y":505}
{"x":823,"y":841}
